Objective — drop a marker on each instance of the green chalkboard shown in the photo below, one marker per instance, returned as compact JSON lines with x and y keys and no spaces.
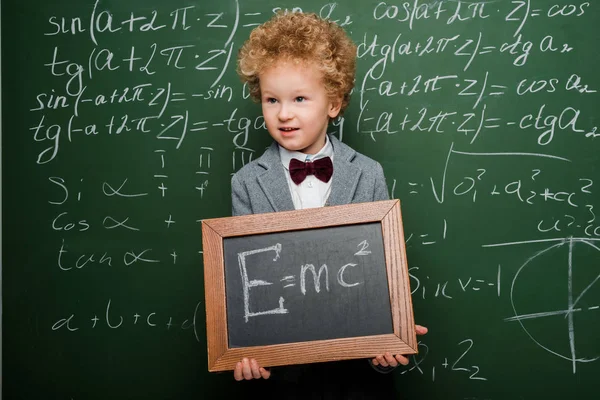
{"x":122,"y":123}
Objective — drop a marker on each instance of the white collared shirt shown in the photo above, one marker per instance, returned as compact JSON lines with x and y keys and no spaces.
{"x":312,"y":192}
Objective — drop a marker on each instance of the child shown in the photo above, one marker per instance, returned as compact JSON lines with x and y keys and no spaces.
{"x":301,"y":68}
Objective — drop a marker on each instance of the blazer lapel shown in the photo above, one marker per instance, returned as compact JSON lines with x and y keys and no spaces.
{"x":273,"y":181}
{"x":345,"y":174}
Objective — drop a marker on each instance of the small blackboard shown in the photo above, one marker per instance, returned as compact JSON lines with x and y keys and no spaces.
{"x":307,"y":286}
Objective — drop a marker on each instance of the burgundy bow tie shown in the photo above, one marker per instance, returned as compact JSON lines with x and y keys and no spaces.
{"x":322,"y":169}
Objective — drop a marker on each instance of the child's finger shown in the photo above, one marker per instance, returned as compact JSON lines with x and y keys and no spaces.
{"x":382,"y":361}
{"x":375,"y":362}
{"x":246,"y":371}
{"x":255,"y":369}
{"x":421,"y":330}
{"x":401,"y":359}
{"x":237,"y":372}
{"x":264,"y":373}
{"x":391,"y":360}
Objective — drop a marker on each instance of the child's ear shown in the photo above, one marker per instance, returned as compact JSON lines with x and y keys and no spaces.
{"x":334,"y":108}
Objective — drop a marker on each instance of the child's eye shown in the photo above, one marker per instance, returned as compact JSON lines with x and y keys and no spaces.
{"x":300,"y":99}
{"x":271,"y":100}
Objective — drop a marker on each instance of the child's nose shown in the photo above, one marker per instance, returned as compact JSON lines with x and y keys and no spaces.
{"x":285,"y":112}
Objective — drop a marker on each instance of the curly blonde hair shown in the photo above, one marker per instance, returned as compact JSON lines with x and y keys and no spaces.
{"x":304,"y":37}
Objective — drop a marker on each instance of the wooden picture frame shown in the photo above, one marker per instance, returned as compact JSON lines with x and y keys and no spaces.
{"x":403,"y":339}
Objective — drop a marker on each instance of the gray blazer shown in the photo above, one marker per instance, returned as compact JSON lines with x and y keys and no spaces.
{"x":261,"y":186}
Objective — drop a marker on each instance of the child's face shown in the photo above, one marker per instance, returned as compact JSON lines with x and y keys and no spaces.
{"x":296,"y":106}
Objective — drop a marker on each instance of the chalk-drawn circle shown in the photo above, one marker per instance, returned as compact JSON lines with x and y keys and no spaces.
{"x":543,"y":289}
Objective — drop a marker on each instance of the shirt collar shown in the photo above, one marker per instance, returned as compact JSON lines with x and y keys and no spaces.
{"x":287,"y":155}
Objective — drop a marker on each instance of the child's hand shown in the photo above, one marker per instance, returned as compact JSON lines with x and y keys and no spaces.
{"x":249,"y":369}
{"x":388,"y":360}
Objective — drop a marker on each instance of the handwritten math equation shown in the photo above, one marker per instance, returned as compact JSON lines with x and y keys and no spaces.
{"x":320,"y":277}
{"x":114,"y":320}
{"x":457,"y":365}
